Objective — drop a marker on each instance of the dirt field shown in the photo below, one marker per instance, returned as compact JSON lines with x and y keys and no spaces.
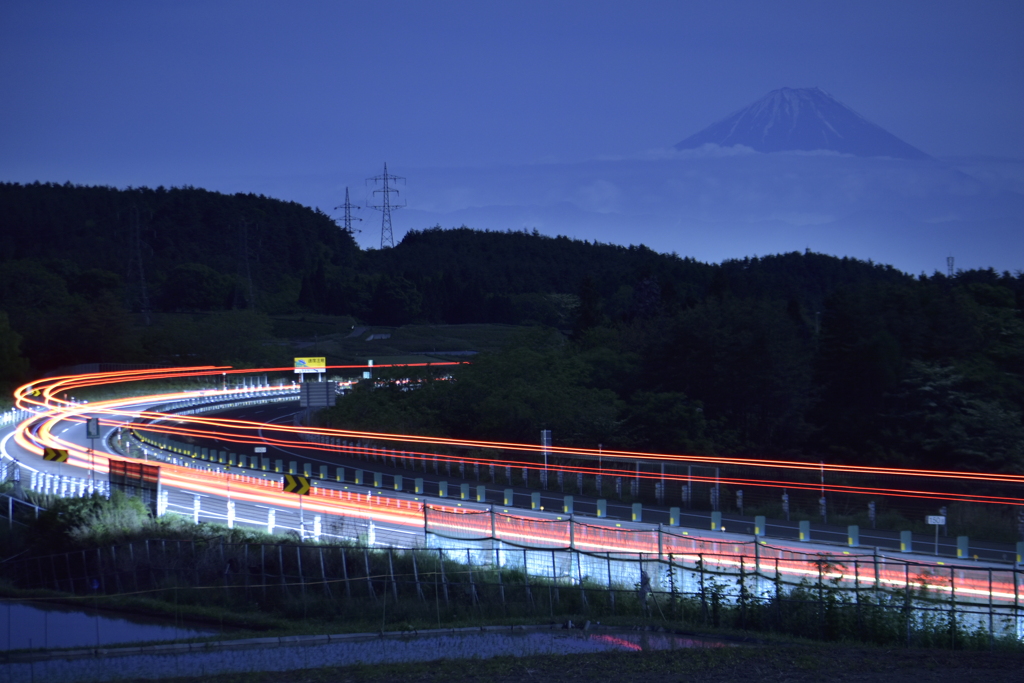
{"x":745,"y":664}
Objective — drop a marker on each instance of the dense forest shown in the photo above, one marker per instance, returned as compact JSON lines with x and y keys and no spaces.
{"x":791,"y":354}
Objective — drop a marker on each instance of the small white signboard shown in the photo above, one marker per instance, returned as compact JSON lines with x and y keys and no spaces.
{"x":259,"y":449}
{"x":937,"y":520}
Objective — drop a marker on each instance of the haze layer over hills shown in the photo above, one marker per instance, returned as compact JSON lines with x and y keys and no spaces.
{"x":796,"y":169}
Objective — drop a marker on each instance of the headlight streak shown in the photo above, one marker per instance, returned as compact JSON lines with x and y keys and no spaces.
{"x":37,"y":432}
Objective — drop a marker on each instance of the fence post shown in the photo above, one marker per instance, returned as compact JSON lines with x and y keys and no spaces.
{"x":323,"y":572}
{"x":611,"y":591}
{"x":856,"y":589}
{"x":444,"y":579}
{"x":391,"y":570}
{"x":369,"y":581}
{"x":472,"y":584}
{"x":952,"y":606}
{"x":552,"y":590}
{"x":344,"y":574}
{"x":579,"y":574}
{"x":906,"y":597}
{"x":991,"y":616}
{"x":497,"y":567}
{"x":416,"y":577}
{"x":703,"y":593}
{"x":302,"y":576}
{"x":280,"y":563}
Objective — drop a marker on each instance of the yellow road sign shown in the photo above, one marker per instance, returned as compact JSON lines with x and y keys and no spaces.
{"x":55,"y":454}
{"x":317,"y":364}
{"x":293,"y":483}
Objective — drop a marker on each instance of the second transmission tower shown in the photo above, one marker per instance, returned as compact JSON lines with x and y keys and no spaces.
{"x":387,"y":239}
{"x":348,"y":206}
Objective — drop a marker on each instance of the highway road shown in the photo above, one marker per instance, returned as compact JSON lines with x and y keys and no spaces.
{"x":218,"y":503}
{"x":553,"y":500}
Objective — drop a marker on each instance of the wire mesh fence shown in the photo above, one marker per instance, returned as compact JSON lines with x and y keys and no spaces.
{"x":490,"y":578}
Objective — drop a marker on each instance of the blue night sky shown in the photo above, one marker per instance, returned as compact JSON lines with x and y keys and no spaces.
{"x":299,"y":100}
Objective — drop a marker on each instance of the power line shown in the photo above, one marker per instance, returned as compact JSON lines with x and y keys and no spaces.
{"x":387,"y":239}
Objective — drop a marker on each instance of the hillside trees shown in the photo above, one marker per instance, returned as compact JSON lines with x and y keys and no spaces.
{"x":791,"y":354}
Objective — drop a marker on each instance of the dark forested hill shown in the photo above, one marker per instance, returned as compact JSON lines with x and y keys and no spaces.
{"x":86,"y":271}
{"x":792,"y":353}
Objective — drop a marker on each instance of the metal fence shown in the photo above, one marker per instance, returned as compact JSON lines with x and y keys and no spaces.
{"x":453,"y":578}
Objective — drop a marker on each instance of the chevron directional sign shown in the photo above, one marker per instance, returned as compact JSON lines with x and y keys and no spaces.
{"x":55,"y":454}
{"x":294,"y":483}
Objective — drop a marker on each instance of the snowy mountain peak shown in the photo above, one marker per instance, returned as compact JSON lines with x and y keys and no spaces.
{"x":803,"y":119}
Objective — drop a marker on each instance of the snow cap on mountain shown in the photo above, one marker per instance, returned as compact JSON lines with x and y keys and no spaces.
{"x":803,"y":119}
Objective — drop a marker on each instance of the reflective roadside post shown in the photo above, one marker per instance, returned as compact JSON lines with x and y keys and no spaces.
{"x":92,"y":431}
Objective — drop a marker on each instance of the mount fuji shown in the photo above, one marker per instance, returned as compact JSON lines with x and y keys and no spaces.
{"x":802,"y":119}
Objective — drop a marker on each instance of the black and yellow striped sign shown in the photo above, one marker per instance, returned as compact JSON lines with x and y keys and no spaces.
{"x":55,"y":454}
{"x":293,"y":483}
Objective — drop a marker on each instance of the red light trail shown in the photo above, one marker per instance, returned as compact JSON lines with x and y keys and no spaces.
{"x":45,"y":397}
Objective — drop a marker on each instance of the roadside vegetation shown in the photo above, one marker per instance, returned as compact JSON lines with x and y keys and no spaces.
{"x":111,"y":554}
